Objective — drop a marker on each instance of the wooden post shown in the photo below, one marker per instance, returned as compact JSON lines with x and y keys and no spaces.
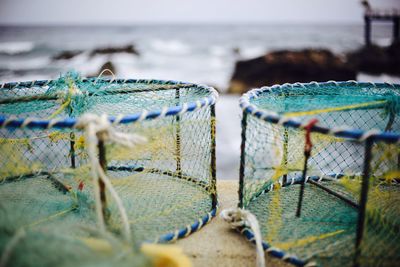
{"x":367,"y":30}
{"x":396,"y":28}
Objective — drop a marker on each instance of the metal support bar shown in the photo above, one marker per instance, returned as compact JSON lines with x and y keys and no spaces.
{"x":302,"y":185}
{"x":330,"y":191}
{"x":213,"y":158}
{"x":242,"y":159}
{"x":363,"y":200}
{"x":103,"y":164}
{"x":178,"y":137}
{"x":72,"y":150}
{"x":285,"y":152}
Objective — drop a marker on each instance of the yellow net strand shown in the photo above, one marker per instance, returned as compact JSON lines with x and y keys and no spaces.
{"x":327,"y":110}
{"x":51,"y":217}
{"x":274,"y":221}
{"x":61,"y":108}
{"x":307,"y":240}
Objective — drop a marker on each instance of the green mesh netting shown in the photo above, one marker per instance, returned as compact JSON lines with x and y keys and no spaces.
{"x":326,"y":230}
{"x":46,"y":188}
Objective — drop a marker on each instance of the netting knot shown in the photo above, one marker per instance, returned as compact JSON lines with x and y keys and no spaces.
{"x":100,"y":128}
{"x":239,"y":218}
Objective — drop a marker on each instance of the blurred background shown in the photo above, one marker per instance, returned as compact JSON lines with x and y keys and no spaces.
{"x":232,"y":45}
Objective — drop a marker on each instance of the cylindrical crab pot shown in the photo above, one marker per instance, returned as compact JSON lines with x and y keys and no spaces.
{"x":320,"y":169}
{"x":164,"y":179}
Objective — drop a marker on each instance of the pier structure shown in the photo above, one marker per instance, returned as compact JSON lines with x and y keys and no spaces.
{"x":371,"y":15}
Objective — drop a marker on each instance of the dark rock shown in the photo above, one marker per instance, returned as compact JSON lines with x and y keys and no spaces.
{"x":288,"y":67}
{"x":108,"y":65}
{"x":376,"y":60}
{"x":236,"y":51}
{"x":65,"y":55}
{"x":130,"y":49}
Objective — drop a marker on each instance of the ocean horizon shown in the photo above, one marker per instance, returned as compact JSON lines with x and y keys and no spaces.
{"x":202,"y":53}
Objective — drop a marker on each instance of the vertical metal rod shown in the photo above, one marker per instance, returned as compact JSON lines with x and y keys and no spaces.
{"x":178,"y":138}
{"x":285,"y":145}
{"x":307,"y":154}
{"x":398,"y":160}
{"x":242,"y":159}
{"x":72,"y":150}
{"x":335,"y":194}
{"x":367,"y":30}
{"x":390,"y":122}
{"x":302,"y":185}
{"x":285,"y":153}
{"x":213,"y":158}
{"x":392,"y":115}
{"x":363,"y":200}
{"x":102,"y":187}
{"x":396,"y":29}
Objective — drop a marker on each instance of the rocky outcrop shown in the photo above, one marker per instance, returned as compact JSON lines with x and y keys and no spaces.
{"x":130,"y":49}
{"x":107,"y":66}
{"x":69,"y":54}
{"x":288,"y":67}
{"x":377,"y":60}
{"x":66,"y":55}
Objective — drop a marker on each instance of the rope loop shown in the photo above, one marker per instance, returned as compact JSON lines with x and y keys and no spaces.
{"x":240,"y":218}
{"x":99,"y":128}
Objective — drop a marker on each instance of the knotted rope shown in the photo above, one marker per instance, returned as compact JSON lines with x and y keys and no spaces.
{"x":99,"y":128}
{"x":239,"y":218}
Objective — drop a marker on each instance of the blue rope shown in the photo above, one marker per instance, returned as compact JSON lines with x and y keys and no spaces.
{"x":357,"y":134}
{"x":70,"y":122}
{"x":183,"y":232}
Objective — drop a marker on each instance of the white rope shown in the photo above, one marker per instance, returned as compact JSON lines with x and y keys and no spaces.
{"x":5,"y":256}
{"x":101,"y":74}
{"x":98,"y":128}
{"x":239,"y":218}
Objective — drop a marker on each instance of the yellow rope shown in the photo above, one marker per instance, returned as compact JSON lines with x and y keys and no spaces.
{"x":274,"y":222}
{"x":51,"y":217}
{"x":61,"y":108}
{"x":326,"y":110}
{"x":163,"y":255}
{"x":72,"y":90}
{"x":307,"y":240}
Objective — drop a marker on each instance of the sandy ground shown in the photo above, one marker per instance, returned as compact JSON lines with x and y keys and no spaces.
{"x":218,"y":245}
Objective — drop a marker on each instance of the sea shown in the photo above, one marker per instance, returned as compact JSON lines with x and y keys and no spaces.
{"x":195,"y":53}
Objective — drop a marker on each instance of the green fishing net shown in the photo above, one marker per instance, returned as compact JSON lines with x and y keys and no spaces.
{"x":273,"y":161}
{"x":47,"y":195}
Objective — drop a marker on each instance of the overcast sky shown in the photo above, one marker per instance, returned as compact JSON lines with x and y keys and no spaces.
{"x":183,"y":11}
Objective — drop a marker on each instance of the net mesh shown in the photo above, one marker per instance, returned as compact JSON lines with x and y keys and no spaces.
{"x":46,"y":188}
{"x":326,"y":230}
